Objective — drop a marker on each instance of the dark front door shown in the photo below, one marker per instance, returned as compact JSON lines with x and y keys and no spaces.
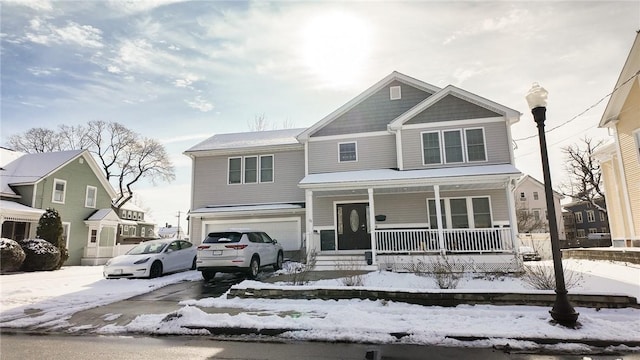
{"x":353,"y":229}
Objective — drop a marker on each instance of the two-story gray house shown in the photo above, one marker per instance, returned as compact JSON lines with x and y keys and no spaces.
{"x":404,"y":171}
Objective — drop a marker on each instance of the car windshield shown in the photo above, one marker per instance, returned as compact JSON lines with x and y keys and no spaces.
{"x":148,"y":248}
{"x":223,"y":237}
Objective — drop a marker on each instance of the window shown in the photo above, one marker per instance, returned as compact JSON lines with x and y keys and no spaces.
{"x":452,"y":146}
{"x":132,"y":231}
{"x":90,"y":197}
{"x":431,"y":206}
{"x":65,"y":233}
{"x":395,"y":93}
{"x":536,"y":214}
{"x":122,"y":227}
{"x":535,"y":195}
{"x":602,"y":216}
{"x":580,"y":233}
{"x":475,"y":145}
{"x":266,"y":168}
{"x":461,"y":213}
{"x":124,"y":214}
{"x":481,"y":212}
{"x":593,"y":230}
{"x":459,"y":218}
{"x":591,"y":216}
{"x":431,"y":148}
{"x":348,"y":152}
{"x":250,"y":169}
{"x":128,"y":214}
{"x":579,"y":217}
{"x":59,"y":191}
{"x":235,"y":170}
{"x":142,"y":231}
{"x":604,"y":230}
{"x":94,"y":236}
{"x":523,"y":197}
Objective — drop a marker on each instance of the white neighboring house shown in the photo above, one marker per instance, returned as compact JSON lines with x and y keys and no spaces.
{"x":529,"y":195}
{"x":170,"y":232}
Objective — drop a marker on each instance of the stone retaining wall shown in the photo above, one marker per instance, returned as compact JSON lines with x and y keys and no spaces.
{"x":595,"y":254}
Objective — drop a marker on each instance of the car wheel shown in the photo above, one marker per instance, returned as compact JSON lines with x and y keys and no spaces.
{"x":254,"y":267}
{"x":156,"y":270}
{"x":278,"y":265}
{"x":193,"y":264}
{"x":208,"y":275}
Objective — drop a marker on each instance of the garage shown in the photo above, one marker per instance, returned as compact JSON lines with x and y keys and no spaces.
{"x":287,"y":231}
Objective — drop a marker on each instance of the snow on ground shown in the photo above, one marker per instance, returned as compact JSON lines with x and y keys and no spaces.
{"x":50,"y":298}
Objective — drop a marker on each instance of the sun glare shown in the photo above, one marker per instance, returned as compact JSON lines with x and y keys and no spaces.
{"x":335,"y":48}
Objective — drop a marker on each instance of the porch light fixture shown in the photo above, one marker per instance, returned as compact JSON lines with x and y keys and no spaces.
{"x":562,"y":311}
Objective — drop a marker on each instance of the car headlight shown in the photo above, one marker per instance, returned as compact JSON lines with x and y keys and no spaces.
{"x":141,"y":261}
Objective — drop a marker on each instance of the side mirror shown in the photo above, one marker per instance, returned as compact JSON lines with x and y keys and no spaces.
{"x":274,"y":241}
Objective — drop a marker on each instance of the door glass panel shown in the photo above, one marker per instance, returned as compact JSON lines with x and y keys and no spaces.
{"x":459,"y":219}
{"x":354,"y":220}
{"x":340,"y":225}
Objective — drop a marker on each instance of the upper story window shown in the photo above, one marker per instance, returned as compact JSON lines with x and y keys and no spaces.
{"x":250,"y":169}
{"x":476,"y":151}
{"x":90,"y":197}
{"x":535,"y":195}
{"x":523,"y":197}
{"x":59,"y":191}
{"x":395,"y":93}
{"x":124,"y":214}
{"x":348,"y":152}
{"x":453,"y":147}
{"x":128,"y":214}
{"x":591,"y":216}
{"x":579,"y":217}
{"x":602,"y":216}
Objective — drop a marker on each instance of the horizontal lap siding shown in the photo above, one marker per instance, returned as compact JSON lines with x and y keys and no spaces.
{"x":451,"y":108}
{"x":374,"y":152}
{"x":628,"y":123}
{"x":496,"y":144}
{"x":211,"y":176}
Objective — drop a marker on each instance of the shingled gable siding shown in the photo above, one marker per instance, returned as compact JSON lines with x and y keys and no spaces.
{"x":451,"y":108}
{"x":375,"y":112}
{"x":210,"y":185}
{"x":374,"y":152}
{"x":496,"y":145}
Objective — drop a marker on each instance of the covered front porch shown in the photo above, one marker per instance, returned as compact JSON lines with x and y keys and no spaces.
{"x":397,"y":219}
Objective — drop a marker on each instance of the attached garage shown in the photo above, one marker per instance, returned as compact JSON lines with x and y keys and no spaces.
{"x":288,"y":231}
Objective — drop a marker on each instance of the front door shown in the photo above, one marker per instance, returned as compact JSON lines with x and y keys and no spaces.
{"x":353,"y":228}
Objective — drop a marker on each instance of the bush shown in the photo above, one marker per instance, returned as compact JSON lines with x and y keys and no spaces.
{"x":50,"y":229}
{"x":41,"y":255}
{"x":544,"y":277}
{"x":11,"y":255}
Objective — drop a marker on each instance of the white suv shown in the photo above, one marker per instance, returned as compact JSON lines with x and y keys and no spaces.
{"x":237,"y":250}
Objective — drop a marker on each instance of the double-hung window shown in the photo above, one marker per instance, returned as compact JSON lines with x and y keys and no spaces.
{"x":452,"y":146}
{"x":591,"y":216}
{"x":250,"y":169}
{"x":90,"y":198}
{"x":476,"y":150}
{"x":433,"y":217}
{"x":578,"y":217}
{"x":461,"y":213}
{"x":431,"y":148}
{"x":59,"y":191}
{"x":347,"y":152}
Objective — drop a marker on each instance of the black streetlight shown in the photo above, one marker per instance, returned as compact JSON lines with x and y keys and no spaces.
{"x":562,"y":311}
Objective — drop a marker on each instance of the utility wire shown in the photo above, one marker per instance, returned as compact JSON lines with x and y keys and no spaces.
{"x":583,"y":112}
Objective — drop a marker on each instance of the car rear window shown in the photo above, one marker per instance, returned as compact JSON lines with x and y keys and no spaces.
{"x":222,"y":237}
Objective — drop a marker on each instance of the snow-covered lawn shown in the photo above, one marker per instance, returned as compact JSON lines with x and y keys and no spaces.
{"x":50,"y":298}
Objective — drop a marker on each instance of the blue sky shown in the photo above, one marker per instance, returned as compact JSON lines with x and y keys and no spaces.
{"x":182,"y":71}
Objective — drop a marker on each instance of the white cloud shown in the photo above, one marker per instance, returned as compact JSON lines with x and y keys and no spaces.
{"x":40,"y":5}
{"x":114,"y":69}
{"x":186,"y":82}
{"x":137,"y":6}
{"x":39,"y":71}
{"x":45,"y":33}
{"x":512,"y":19}
{"x":200,"y":104}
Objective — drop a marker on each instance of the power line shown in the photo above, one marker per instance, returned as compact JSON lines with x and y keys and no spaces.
{"x":586,"y":110}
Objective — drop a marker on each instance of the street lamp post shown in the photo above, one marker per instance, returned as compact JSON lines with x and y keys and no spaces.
{"x":562,"y":311}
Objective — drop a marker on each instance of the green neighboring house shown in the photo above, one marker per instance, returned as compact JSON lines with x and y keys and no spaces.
{"x":70,"y":182}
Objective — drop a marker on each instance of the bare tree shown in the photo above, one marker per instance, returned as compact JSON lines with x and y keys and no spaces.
{"x":260,"y":123}
{"x":125,"y":156}
{"x":527,"y":220}
{"x":585,"y":174}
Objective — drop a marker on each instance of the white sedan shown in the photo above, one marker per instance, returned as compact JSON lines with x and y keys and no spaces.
{"x":152,"y":258}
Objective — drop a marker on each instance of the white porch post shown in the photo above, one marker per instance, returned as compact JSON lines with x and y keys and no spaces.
{"x":310,"y":245}
{"x":513,"y":219}
{"x":436,"y":190}
{"x":372,"y":222}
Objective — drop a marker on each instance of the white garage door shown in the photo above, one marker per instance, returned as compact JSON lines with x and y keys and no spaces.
{"x":286,"y":231}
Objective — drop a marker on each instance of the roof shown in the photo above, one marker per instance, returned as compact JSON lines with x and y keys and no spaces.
{"x":28,"y":169}
{"x":8,"y":155}
{"x":102,"y":214}
{"x":15,"y":211}
{"x":245,"y":140}
{"x":364,"y":95}
{"x":630,"y":73}
{"x":406,"y":177}
{"x":537,"y":182}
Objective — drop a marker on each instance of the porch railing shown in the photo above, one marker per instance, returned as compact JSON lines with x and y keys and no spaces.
{"x":455,"y":240}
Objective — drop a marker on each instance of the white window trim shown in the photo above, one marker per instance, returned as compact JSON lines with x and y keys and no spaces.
{"x":395,"y":90}
{"x":229,"y":170}
{"x":463,"y":143}
{"x":591,"y":216}
{"x":355,"y":143}
{"x":484,"y":143}
{"x":95,"y":197}
{"x":68,"y":226}
{"x":579,"y":219}
{"x":439,"y":147}
{"x":273,"y":168}
{"x":470,"y":213}
{"x":64,"y":191}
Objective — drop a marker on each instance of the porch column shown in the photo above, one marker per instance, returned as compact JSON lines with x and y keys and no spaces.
{"x":513,"y":218}
{"x":372,"y":222}
{"x":436,"y":191}
{"x":310,"y":240}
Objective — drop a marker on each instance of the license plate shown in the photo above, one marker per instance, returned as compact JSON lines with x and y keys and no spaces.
{"x":217,"y":252}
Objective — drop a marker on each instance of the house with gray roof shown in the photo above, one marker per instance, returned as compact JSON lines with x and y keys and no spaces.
{"x":398,"y":177}
{"x":70,"y":182}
